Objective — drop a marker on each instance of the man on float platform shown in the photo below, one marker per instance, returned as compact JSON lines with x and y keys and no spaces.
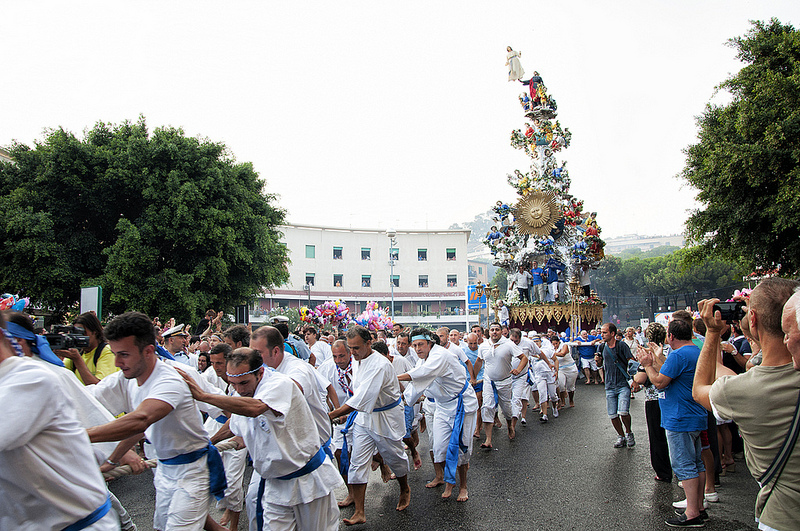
{"x":293,"y":479}
{"x":41,"y":489}
{"x":379,"y":423}
{"x":160,"y":406}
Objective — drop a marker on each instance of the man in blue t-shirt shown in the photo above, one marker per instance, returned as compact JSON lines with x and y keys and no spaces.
{"x":681,"y":417}
{"x":537,"y":284}
{"x":586,"y":351}
{"x":552,"y":268}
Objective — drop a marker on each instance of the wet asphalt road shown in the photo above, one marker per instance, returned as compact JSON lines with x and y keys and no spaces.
{"x":561,"y":475}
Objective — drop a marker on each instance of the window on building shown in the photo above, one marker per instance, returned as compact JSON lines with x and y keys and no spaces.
{"x":451,"y":254}
{"x":480,"y":270}
{"x":422,"y":255}
{"x":398,"y":308}
{"x":365,"y":253}
{"x":452,"y":281}
{"x":396,"y":280}
{"x":310,"y":252}
{"x":337,"y":253}
{"x":366,"y":281}
{"x":310,"y":279}
{"x":425,"y":307}
{"x":423,"y":281}
{"x":337,"y":281}
{"x":394,"y":254}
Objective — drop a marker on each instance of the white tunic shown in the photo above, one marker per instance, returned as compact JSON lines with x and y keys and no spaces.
{"x":322,"y":352}
{"x":329,"y":371}
{"x":443,"y":377}
{"x":283,"y":444}
{"x":411,"y":356}
{"x":49,"y":478}
{"x":375,"y":385}
{"x":314,"y":389}
{"x":498,"y":358}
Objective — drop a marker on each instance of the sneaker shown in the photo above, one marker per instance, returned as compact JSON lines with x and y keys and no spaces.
{"x":543,"y":418}
{"x":682,"y":504}
{"x":631,"y":440}
{"x":712,"y":497}
{"x":622,"y":442}
{"x":555,"y":412}
{"x":682,"y":521}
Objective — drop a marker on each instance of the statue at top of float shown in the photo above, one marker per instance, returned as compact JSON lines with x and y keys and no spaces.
{"x":546,"y":224}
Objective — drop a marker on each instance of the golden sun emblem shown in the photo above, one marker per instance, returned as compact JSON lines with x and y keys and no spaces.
{"x":537,"y":214}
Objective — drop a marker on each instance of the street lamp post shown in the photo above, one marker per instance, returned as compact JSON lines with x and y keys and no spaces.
{"x":479,"y":293}
{"x":307,"y":289}
{"x":392,"y":242}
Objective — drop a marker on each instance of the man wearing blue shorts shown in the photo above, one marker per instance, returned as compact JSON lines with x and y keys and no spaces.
{"x":681,"y":417}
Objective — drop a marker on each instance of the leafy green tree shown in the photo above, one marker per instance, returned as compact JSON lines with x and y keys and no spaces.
{"x":500,"y":280}
{"x":168,"y":225}
{"x":746,"y":164}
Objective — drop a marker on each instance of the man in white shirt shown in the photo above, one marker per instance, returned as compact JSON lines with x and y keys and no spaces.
{"x":499,"y":354}
{"x":521,"y":381}
{"x":522,"y":279}
{"x":379,"y":424}
{"x":293,"y":480}
{"x":501,"y":313}
{"x":41,"y":489}
{"x":339,"y":372}
{"x":320,"y":349}
{"x":403,"y":347}
{"x":160,"y":406}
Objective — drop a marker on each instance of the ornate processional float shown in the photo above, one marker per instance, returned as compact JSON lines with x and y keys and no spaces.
{"x":546,"y":223}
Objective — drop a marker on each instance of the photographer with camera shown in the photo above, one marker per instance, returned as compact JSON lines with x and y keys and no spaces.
{"x":767,"y":430}
{"x":95,"y":361}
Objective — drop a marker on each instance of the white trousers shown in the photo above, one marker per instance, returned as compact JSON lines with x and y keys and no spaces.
{"x":234,"y":462}
{"x":520,"y":390}
{"x":182,"y":496}
{"x":504,"y":397}
{"x":443,"y":427}
{"x":319,"y":514}
{"x":365,"y":443}
{"x":547,"y":391}
{"x":567,"y":376}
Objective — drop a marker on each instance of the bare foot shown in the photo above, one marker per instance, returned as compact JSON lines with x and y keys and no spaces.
{"x":448,"y":490}
{"x":347,"y":502}
{"x":511,"y":433}
{"x":357,"y":518}
{"x":463,"y":495}
{"x":497,"y":423}
{"x":226,"y":518}
{"x":435,"y":482}
{"x":417,"y":462}
{"x":386,"y":474}
{"x":374,"y":465}
{"x":405,"y":499}
{"x":572,"y":404}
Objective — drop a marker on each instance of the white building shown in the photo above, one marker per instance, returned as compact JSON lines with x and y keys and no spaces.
{"x":429,"y":276}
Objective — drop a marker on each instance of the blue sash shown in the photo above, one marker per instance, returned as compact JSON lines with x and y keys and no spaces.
{"x":409,"y":413}
{"x":327,"y":449}
{"x":496,"y":395}
{"x":222,"y":419}
{"x":453,"y":447}
{"x":388,"y":406}
{"x":344,"y":457}
{"x":259,"y":507}
{"x":96,"y":515}
{"x":216,"y":471}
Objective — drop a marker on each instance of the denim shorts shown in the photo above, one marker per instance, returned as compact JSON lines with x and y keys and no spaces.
{"x":684,"y":453}
{"x":618,"y":401}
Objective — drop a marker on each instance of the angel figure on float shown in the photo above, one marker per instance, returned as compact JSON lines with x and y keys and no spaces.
{"x":515,"y":71}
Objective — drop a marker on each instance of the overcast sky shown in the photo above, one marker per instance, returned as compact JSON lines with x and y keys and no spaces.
{"x":376,"y":114}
